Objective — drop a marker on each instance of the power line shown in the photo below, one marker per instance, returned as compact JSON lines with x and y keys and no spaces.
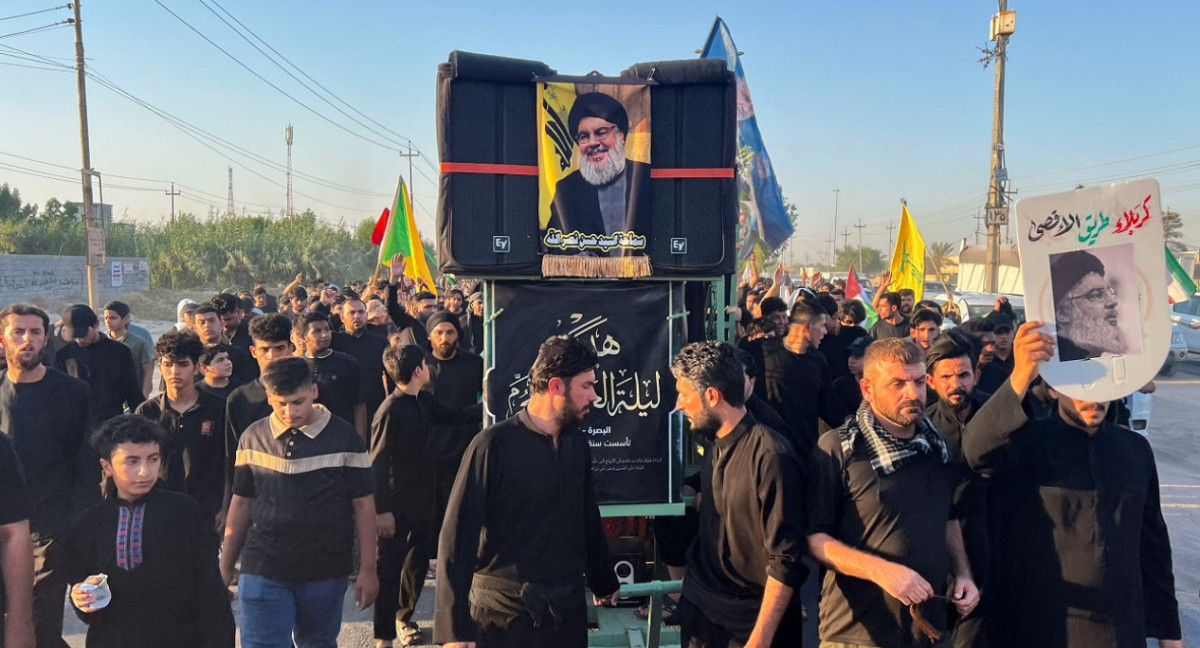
{"x":266,"y":81}
{"x":34,"y":13}
{"x":288,"y":72}
{"x":38,"y":30}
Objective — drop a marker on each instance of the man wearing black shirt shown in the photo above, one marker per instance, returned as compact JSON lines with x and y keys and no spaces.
{"x":892,"y":323}
{"x":796,"y":382}
{"x":272,"y":335}
{"x":836,"y":345}
{"x":194,"y":455}
{"x":404,"y":459}
{"x":365,"y":347}
{"x":881,"y":513}
{"x":338,"y":377}
{"x":744,"y":566}
{"x":16,"y":551}
{"x":455,"y":381}
{"x":471,"y":324}
{"x":847,"y":388}
{"x":106,"y":366}
{"x":1082,"y":554}
{"x":45,"y":413}
{"x":410,"y":328}
{"x":233,"y":320}
{"x":995,"y":373}
{"x":523,"y":522}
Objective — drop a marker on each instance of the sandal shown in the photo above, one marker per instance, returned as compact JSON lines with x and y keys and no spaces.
{"x":670,"y":611}
{"x":410,"y":634}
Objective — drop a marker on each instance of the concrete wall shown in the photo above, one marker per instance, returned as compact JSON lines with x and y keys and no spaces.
{"x":25,"y":277}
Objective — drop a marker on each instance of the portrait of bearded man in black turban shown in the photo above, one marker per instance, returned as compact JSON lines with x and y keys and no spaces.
{"x":1085,"y":307}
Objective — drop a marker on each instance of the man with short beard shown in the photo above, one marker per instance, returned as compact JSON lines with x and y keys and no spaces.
{"x":1085,"y":308}
{"x":950,"y":366}
{"x":456,"y":382}
{"x":365,"y":347}
{"x":1081,"y":551}
{"x":45,"y":413}
{"x":892,"y":323}
{"x":882,"y":514}
{"x":609,"y":194}
{"x":745,"y":565}
{"x":523,"y":524}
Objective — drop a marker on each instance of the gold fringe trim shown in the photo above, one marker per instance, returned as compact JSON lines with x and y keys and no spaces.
{"x":621,"y":267}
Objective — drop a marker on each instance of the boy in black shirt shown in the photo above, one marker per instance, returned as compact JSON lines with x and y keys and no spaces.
{"x":194,"y":450}
{"x":272,"y":335}
{"x":337,"y":374}
{"x":302,"y":493}
{"x":155,"y":547}
{"x":16,"y":551}
{"x":105,"y":365}
{"x":217,"y":369}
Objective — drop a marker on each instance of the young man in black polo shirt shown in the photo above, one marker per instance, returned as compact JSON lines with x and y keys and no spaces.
{"x":302,"y":492}
{"x":154,"y":545}
{"x":16,"y":552}
{"x":882,"y":514}
{"x":45,"y":413}
{"x":194,"y":452}
{"x":744,"y":567}
{"x":272,"y":335}
{"x":106,"y":366}
{"x":365,"y":347}
{"x":339,"y":380}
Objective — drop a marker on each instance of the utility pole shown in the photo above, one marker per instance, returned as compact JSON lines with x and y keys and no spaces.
{"x":288,"y":135}
{"x":891,"y":227}
{"x":846,"y":237}
{"x":172,"y":193}
{"x":230,"y":210}
{"x":410,"y":155}
{"x":833,"y":252}
{"x":93,"y":226}
{"x":859,"y":226}
{"x":978,"y":222}
{"x":1003,"y":25}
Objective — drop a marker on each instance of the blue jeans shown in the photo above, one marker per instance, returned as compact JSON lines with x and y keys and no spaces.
{"x":274,"y":612}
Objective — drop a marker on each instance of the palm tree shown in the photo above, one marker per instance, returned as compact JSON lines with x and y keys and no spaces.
{"x":940,"y":253}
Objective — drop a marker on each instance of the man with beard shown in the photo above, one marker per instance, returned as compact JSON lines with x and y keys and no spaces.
{"x":365,"y":347}
{"x":744,"y":566}
{"x":1082,"y":555}
{"x":454,"y":302}
{"x":609,"y":194}
{"x":950,"y":371}
{"x":455,"y":382}
{"x":471,"y":324}
{"x":45,"y":413}
{"x":908,"y":299}
{"x":1085,"y":308}
{"x":881,"y":513}
{"x":233,"y":320}
{"x":796,"y":379}
{"x":106,"y":366}
{"x":522,"y":523}
{"x":336,"y":374}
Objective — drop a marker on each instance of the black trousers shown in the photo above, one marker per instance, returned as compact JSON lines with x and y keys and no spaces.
{"x":697,"y":631}
{"x":499,"y":630}
{"x":49,"y":590}
{"x":401,"y":565}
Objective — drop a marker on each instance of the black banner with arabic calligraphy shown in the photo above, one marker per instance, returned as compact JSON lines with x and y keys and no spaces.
{"x":634,"y":453}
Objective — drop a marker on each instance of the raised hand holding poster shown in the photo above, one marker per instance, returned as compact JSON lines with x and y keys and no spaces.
{"x":1094,"y":273}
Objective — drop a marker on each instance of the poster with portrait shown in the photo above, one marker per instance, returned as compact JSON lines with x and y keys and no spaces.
{"x":635,"y":440}
{"x":594,"y":166}
{"x":1094,"y":272}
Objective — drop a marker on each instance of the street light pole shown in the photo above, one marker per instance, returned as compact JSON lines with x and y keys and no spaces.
{"x":833,"y":247}
{"x":92,"y":226}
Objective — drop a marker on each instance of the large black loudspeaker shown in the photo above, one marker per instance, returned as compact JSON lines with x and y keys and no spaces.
{"x":692,"y":147}
{"x":487,"y":217}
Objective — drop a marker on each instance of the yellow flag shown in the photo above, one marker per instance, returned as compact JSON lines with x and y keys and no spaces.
{"x":908,"y":260}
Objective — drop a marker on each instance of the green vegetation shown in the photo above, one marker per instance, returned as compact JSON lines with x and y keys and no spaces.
{"x":228,"y":251}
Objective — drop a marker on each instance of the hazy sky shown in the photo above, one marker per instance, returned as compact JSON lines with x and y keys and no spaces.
{"x":882,"y":100}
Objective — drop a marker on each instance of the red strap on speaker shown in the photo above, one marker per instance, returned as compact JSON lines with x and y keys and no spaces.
{"x":691,"y":173}
{"x":502,"y":169}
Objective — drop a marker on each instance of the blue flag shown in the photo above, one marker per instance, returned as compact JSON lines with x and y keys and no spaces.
{"x":759,"y":197}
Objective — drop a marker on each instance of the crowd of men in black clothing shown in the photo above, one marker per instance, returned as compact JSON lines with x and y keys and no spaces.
{"x":946,"y":493}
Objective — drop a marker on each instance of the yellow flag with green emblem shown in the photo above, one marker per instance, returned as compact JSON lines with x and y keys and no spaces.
{"x":908,"y":260}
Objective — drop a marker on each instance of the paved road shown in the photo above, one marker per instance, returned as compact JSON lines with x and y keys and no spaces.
{"x":1174,"y":434}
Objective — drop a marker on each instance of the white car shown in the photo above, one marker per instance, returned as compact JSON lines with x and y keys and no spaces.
{"x":1187,"y":316}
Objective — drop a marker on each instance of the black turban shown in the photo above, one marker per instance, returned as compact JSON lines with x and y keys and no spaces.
{"x":1069,"y":269}
{"x":597,"y":104}
{"x":439,"y":317}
